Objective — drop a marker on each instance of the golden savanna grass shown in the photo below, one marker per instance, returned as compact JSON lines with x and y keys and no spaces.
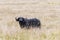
{"x":48,"y":12}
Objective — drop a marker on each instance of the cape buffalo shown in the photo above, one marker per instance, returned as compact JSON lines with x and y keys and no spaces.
{"x":24,"y":22}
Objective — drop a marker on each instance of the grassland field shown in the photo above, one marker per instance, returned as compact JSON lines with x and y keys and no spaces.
{"x":47,"y":11}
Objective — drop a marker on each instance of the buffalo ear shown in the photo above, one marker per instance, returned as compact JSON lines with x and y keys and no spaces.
{"x":16,"y":19}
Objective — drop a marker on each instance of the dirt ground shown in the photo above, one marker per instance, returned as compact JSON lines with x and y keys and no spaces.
{"x":47,"y":11}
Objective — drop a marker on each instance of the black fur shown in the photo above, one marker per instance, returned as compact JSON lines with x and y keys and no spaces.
{"x":24,"y":22}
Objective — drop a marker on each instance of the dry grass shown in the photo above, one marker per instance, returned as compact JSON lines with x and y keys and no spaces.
{"x":47,"y":11}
